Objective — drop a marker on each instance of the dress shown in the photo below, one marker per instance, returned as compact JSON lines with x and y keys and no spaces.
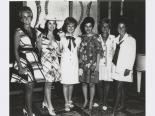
{"x":125,"y":58}
{"x":89,"y":48}
{"x":49,"y":60}
{"x":105,"y":64}
{"x":69,"y":59}
{"x":29,"y":58}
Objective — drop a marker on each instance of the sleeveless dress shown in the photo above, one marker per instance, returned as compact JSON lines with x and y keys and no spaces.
{"x":29,"y":58}
{"x":49,"y":60}
{"x":69,"y":60}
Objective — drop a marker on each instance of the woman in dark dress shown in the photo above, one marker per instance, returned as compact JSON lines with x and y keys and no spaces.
{"x":89,"y":55}
{"x":27,"y":67}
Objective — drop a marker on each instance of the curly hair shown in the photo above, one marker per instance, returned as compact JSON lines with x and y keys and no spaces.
{"x":103,"y":21}
{"x":67,"y":21}
{"x":85,"y":21}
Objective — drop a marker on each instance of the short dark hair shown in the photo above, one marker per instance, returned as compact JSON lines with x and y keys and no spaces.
{"x":67,"y":21}
{"x":123,"y":20}
{"x":85,"y":21}
{"x":25,"y":9}
{"x":105,"y":20}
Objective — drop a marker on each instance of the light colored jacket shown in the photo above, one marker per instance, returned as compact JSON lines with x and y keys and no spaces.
{"x":127,"y":53}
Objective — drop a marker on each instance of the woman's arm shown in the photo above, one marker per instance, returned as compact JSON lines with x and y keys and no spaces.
{"x":17,"y":37}
{"x":39,"y":42}
{"x":97,"y":63}
{"x":58,"y":50}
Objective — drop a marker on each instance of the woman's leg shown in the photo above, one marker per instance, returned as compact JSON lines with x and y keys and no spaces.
{"x":100,"y":91}
{"x":106,"y":92}
{"x":66,"y":96}
{"x":85,"y":89}
{"x":92,"y":93}
{"x":70,"y":92}
{"x":65,"y":91}
{"x":122,"y":101}
{"x":28,"y":97}
{"x":48,"y":94}
{"x":119,"y":88}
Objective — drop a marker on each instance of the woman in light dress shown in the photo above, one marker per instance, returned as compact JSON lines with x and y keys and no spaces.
{"x":69,"y":44}
{"x":105,"y":65}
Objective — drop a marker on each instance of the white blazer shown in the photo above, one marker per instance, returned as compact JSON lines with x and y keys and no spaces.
{"x":126,"y":58}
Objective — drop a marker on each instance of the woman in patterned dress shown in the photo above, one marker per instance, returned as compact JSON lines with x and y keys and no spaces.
{"x":89,"y":54}
{"x":49,"y":59}
{"x":69,"y":44}
{"x":27,"y":67}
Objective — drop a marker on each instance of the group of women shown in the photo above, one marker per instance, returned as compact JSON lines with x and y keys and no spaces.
{"x":88,"y":59}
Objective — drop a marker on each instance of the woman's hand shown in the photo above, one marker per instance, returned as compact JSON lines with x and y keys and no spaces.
{"x":61,"y":34}
{"x":22,"y":70}
{"x":126,"y":72}
{"x":58,"y":54}
{"x":80,"y":72}
{"x":97,"y":68}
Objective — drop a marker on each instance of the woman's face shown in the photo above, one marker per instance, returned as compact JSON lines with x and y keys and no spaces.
{"x":26,"y":18}
{"x":105,"y":30}
{"x":70,"y":28}
{"x":51,"y":25}
{"x":121,"y":28}
{"x":88,"y":28}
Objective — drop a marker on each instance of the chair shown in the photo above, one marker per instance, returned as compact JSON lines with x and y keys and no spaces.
{"x":140,"y":67}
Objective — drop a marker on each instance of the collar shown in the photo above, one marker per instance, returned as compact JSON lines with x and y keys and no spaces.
{"x":100,"y":38}
{"x":69,"y":34}
{"x":124,"y":38}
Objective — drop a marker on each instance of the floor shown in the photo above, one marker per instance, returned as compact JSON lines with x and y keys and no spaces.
{"x":135,"y":103}
{"x":135,"y":107}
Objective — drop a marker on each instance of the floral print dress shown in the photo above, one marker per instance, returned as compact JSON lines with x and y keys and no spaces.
{"x":90,"y":47}
{"x":49,"y":60}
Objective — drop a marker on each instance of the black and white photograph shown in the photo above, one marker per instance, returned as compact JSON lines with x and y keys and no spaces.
{"x":77,"y":58}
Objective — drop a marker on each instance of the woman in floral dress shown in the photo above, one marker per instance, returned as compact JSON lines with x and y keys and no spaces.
{"x":50,"y":62}
{"x":90,"y":52}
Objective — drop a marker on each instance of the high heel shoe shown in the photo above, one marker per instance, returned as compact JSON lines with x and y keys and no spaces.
{"x":25,"y":112}
{"x":44,"y":105}
{"x":67,"y":107}
{"x":85,"y":105}
{"x":51,"y":111}
{"x":121,"y":108}
{"x":71,"y":104}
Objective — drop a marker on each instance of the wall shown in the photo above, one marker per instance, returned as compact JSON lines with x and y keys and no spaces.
{"x":60,"y":10}
{"x":134,"y":11}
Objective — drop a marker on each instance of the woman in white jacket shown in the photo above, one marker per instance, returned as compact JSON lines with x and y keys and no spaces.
{"x":123,"y":61}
